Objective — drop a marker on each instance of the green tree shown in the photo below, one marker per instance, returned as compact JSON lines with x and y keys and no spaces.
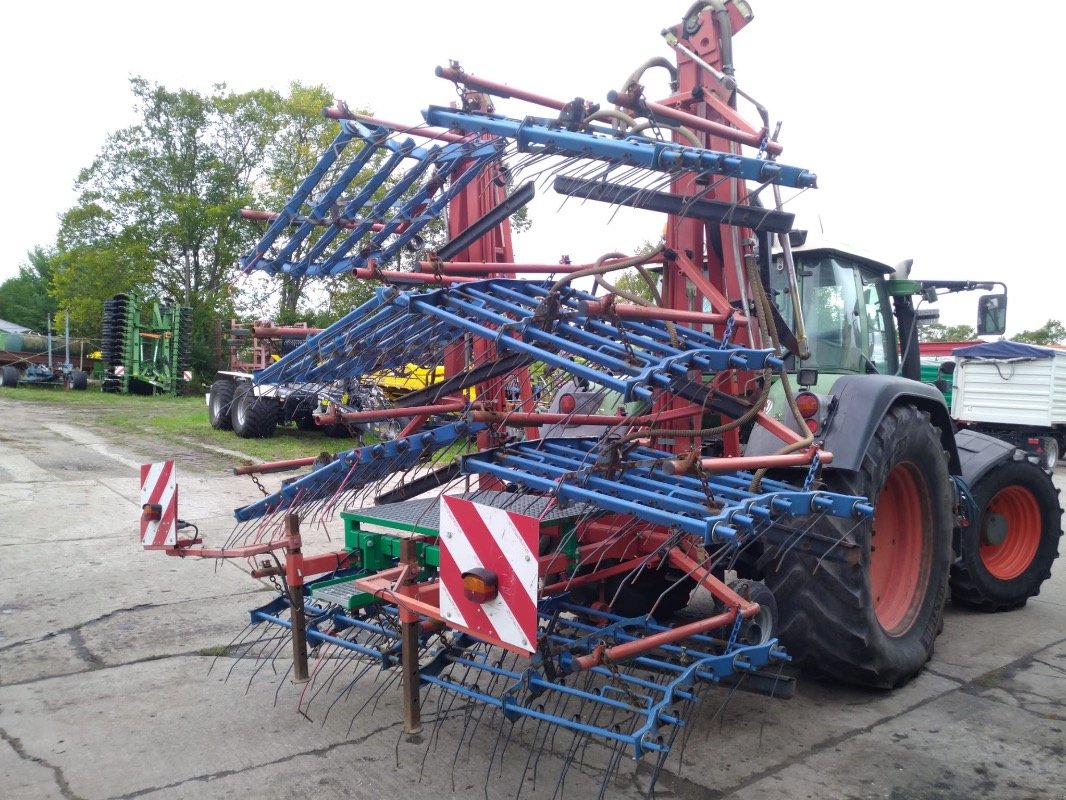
{"x":1052,"y":332}
{"x":24,"y":300}
{"x":300,"y":135}
{"x":938,"y":332}
{"x":158,"y":208}
{"x":632,"y":282}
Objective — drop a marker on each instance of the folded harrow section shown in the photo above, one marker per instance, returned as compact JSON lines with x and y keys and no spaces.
{"x":639,"y":481}
{"x":374,"y":190}
{"x":529,"y":320}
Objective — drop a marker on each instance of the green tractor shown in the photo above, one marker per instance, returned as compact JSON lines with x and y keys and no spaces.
{"x":957,"y":509}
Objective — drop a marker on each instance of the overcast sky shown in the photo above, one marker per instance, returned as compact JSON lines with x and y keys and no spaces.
{"x":933,"y":127}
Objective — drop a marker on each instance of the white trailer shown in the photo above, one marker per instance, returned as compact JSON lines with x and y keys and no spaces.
{"x":1014,"y":391}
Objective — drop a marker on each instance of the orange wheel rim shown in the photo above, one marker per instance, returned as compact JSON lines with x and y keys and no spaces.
{"x":899,"y":557}
{"x":1021,"y":514}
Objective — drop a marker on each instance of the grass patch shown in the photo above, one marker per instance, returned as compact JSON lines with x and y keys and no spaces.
{"x":178,"y":420}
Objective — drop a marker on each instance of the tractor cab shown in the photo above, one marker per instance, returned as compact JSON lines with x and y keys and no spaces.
{"x":846,"y":309}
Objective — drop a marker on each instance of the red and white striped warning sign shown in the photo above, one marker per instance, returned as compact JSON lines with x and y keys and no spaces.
{"x":187,"y":375}
{"x":159,"y":486}
{"x":120,"y":371}
{"x":475,"y":536}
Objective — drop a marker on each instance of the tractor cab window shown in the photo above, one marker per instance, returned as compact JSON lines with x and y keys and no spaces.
{"x":845,"y":313}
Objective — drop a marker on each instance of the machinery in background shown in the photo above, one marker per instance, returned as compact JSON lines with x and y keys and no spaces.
{"x":46,"y":374}
{"x":146,"y":347}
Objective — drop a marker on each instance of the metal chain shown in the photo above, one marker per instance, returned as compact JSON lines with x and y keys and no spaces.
{"x":730,"y":327}
{"x":816,"y":462}
{"x":261,"y":487}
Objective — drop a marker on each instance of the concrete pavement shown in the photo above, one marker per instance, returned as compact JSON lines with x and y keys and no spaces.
{"x":111,"y":685}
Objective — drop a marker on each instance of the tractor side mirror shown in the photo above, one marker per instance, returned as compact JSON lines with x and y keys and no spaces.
{"x":991,"y":314}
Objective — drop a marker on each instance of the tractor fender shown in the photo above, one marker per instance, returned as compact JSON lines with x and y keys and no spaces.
{"x":861,"y":401}
{"x":858,"y":403}
{"x":979,"y":453}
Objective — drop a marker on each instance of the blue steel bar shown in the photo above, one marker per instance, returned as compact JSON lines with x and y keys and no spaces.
{"x":371,"y":144}
{"x":568,"y":469}
{"x":293,"y":206}
{"x":358,"y":467}
{"x":532,"y":134}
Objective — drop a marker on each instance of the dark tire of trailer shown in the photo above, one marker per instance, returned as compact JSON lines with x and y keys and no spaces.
{"x":253,"y":417}
{"x":220,"y":403}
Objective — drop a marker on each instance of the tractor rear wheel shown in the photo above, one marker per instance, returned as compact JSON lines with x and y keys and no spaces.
{"x":1001,"y":561}
{"x":79,"y":380}
{"x":9,"y":376}
{"x":871,"y":619}
{"x":219,"y":405}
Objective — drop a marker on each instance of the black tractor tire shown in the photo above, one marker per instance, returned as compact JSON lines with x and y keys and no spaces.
{"x":661,"y":593}
{"x":9,"y":376}
{"x":1002,"y":560}
{"x":218,"y":407}
{"x":79,"y":380}
{"x":253,"y":417}
{"x":870,"y":618}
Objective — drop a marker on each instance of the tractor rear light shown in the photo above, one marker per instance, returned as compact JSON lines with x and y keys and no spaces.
{"x":808,"y":405}
{"x":151,"y":512}
{"x":567,"y":404}
{"x":480,"y":585}
{"x":812,"y":408}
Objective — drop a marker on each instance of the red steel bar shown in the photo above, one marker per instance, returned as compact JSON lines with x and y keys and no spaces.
{"x":779,"y":429}
{"x":630,"y":311}
{"x":399,"y":127}
{"x":520,"y":419}
{"x":274,"y":466}
{"x":413,"y":426}
{"x":679,"y":466}
{"x":721,"y":107}
{"x":481,"y":268}
{"x":636,"y":102}
{"x":388,"y":413}
{"x":270,"y":216}
{"x":704,"y":286}
{"x":369,"y":274}
{"x":268,"y":331}
{"x":496,"y":89}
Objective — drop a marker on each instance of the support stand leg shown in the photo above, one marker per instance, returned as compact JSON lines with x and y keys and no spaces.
{"x":409,"y":629}
{"x":294,"y":577}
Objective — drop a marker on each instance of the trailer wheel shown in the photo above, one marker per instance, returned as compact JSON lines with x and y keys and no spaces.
{"x":79,"y":380}
{"x":871,"y":618}
{"x":253,"y":417}
{"x":761,"y":628}
{"x":219,"y":406}
{"x":1001,"y":561}
{"x":9,"y":376}
{"x":1051,"y":453}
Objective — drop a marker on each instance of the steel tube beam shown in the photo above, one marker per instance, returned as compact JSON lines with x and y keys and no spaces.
{"x":497,"y":89}
{"x":638,"y":103}
{"x":399,"y":127}
{"x":630,"y":311}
